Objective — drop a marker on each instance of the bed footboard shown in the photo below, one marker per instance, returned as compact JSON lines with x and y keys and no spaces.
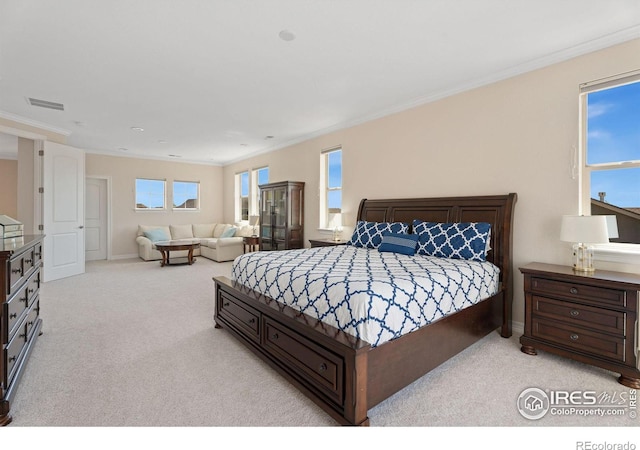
{"x":324,"y":363}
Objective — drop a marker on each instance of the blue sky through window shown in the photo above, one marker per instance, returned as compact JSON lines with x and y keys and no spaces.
{"x":183,"y":191}
{"x":613,"y":136}
{"x":149,"y":193}
{"x":335,"y":179}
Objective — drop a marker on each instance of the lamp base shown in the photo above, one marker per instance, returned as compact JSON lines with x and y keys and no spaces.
{"x":583,"y":258}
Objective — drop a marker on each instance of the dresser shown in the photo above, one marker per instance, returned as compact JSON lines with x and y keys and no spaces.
{"x":20,"y":322}
{"x":281,"y":215}
{"x":588,"y":317}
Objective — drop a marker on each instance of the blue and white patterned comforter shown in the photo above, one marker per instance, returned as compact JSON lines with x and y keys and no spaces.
{"x":368,"y":294}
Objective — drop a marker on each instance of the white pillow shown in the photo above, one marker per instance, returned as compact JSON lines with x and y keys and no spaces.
{"x":181,"y":231}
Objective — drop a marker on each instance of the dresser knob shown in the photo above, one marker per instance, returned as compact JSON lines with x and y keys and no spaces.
{"x":274,"y":336}
{"x":323,"y":367}
{"x":28,"y":261}
{"x":252,"y":321}
{"x":575,"y":313}
{"x":574,"y":337}
{"x":13,"y":315}
{"x":573,"y":290}
{"x":225,"y":304}
{"x":12,"y":359}
{"x":18,"y":270}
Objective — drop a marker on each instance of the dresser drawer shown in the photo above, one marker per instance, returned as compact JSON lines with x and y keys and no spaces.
{"x":595,"y":295}
{"x":13,"y":352}
{"x":586,"y":316}
{"x":302,"y":356}
{"x":16,"y":273}
{"x":239,"y":315}
{"x":13,"y":313}
{"x":581,"y":339}
{"x":33,"y":287}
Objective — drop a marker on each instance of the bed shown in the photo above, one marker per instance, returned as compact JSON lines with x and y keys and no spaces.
{"x":344,"y":369}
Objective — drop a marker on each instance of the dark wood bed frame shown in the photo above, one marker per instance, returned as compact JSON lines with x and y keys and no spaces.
{"x":345,"y":376}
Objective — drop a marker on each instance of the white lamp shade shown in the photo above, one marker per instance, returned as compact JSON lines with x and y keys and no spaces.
{"x":584,"y":229}
{"x":253,"y":220}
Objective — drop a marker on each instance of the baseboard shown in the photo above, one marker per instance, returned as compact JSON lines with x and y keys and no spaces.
{"x":517,"y":328}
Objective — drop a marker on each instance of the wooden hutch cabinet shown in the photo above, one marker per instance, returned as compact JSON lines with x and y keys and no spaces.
{"x":281,"y":215}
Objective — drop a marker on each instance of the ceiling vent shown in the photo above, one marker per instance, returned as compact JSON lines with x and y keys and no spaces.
{"x":46,"y":104}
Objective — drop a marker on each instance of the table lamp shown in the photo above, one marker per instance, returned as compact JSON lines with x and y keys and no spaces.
{"x":253,"y":221}
{"x":584,"y":231}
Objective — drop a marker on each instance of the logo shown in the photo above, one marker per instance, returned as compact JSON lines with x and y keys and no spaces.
{"x":533,"y":403}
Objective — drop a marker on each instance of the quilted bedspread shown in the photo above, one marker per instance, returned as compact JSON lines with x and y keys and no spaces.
{"x":375,"y":296}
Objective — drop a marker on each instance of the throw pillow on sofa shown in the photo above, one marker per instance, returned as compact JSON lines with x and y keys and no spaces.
{"x":181,"y":231}
{"x":229,"y":232}
{"x":156,"y":235}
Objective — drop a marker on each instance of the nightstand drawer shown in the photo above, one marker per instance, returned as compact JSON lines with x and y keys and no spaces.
{"x":595,"y":295}
{"x":586,"y":316}
{"x":576,"y":338}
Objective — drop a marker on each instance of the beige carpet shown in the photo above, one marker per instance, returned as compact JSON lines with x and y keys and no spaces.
{"x":131,"y":344}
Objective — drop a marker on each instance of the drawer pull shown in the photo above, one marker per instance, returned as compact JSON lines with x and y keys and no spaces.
{"x":274,"y":336}
{"x":573,"y":290}
{"x":323,"y":367}
{"x":13,"y":315}
{"x":574,"y":313}
{"x":252,"y":320}
{"x":18,"y":270}
{"x":574,"y":337}
{"x":25,"y":299}
{"x":23,"y":335}
{"x":28,"y":261}
{"x":38,"y":254}
{"x":225,"y":304}
{"x":30,"y":323}
{"x":12,"y":359}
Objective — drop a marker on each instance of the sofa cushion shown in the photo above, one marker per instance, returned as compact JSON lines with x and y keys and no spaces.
{"x":245,"y":231}
{"x":208,"y":242}
{"x":203,"y":230}
{"x":220,"y":227}
{"x":181,"y":231}
{"x":229,"y":232}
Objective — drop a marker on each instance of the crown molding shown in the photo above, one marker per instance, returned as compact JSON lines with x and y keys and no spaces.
{"x":34,"y":123}
{"x":603,"y":42}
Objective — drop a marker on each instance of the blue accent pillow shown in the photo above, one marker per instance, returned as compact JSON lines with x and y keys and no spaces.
{"x":461,"y":240}
{"x":156,"y":235}
{"x":369,"y":234}
{"x":229,"y":232}
{"x":399,"y":243}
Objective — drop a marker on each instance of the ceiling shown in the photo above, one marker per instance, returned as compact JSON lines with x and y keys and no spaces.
{"x":213,"y":82}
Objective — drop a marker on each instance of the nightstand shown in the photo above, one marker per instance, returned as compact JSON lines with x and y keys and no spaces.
{"x":253,"y":242}
{"x":587,"y":317}
{"x":325,"y":242}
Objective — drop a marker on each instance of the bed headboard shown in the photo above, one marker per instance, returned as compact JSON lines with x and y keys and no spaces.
{"x":495,"y":209}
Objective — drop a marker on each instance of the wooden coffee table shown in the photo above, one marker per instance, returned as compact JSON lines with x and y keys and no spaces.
{"x":166,"y":247}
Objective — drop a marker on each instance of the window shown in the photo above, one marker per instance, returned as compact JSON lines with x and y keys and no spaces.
{"x":258,"y":177}
{"x":611,"y":153}
{"x":331,"y":189}
{"x":150,"y":194}
{"x":186,"y":195}
{"x":242,"y":196}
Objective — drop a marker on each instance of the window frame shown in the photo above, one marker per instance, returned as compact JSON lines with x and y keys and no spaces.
{"x":325,"y":189}
{"x":173,"y":193}
{"x":254,"y":204}
{"x":164,"y":194}
{"x":239,"y":197}
{"x":625,"y":253}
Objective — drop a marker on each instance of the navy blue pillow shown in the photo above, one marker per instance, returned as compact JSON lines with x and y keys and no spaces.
{"x":399,"y":243}
{"x":459,"y":240}
{"x":369,"y":234}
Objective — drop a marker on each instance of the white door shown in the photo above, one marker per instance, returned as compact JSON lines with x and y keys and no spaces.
{"x":95,"y":214}
{"x":63,"y":211}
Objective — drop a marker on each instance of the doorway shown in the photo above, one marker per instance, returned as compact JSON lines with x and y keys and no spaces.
{"x":97,"y":231}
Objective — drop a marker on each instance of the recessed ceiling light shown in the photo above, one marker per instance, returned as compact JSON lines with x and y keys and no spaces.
{"x":137,"y":129}
{"x":175,"y":156}
{"x":286,"y":35}
{"x":162,"y":142}
{"x":269,"y":137}
{"x":243,"y":145}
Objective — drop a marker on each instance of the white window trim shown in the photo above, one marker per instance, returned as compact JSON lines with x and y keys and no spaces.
{"x":622,"y":253}
{"x":164,"y":196}
{"x":173,"y":195}
{"x":324,"y":171}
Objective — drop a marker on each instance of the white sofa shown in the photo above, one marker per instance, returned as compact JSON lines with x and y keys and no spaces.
{"x":212,"y":245}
